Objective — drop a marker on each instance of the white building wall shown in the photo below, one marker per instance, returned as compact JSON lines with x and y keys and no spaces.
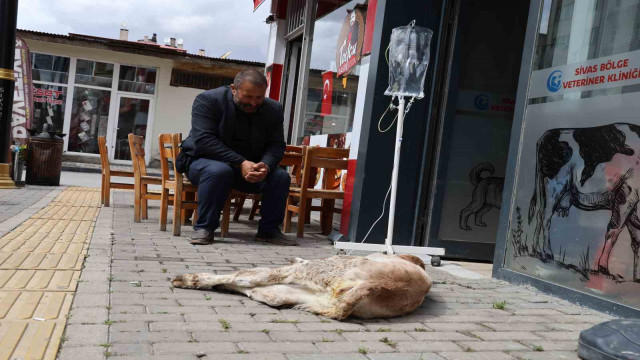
{"x":172,"y":105}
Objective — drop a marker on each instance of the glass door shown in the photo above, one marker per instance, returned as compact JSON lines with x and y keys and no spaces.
{"x":134,"y":114}
{"x":473,"y":139}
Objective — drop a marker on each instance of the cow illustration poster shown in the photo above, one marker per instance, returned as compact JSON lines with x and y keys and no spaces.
{"x":575,"y":220}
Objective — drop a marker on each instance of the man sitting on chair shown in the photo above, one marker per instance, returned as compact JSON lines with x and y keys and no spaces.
{"x":236,"y":141}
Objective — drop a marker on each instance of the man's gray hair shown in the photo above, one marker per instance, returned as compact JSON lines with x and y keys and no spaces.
{"x":253,"y":76}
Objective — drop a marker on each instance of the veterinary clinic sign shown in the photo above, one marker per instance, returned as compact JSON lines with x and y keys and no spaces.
{"x":349,"y":46}
{"x":606,"y":72}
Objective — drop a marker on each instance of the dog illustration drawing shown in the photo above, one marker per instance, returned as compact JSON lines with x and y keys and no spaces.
{"x":487,"y":194}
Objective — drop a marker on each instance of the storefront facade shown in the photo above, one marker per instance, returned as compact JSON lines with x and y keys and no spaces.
{"x":522,"y":151}
{"x":85,"y":90}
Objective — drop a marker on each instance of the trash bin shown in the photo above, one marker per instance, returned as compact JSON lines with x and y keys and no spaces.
{"x":44,"y":159}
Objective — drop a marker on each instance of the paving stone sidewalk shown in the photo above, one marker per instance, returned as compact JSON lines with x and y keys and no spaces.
{"x":125,"y":307}
{"x":17,"y":205}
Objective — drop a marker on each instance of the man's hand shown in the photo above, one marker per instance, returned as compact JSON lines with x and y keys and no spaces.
{"x":256,"y":173}
{"x":247,"y":167}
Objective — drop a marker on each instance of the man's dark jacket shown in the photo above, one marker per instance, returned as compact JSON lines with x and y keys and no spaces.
{"x":212,"y":125}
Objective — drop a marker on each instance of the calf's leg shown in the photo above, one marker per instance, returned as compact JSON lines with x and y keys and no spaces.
{"x":245,"y":278}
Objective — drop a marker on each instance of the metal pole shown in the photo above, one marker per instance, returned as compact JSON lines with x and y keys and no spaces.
{"x":305,"y":65}
{"x":8,"y":19}
{"x":394,"y":178}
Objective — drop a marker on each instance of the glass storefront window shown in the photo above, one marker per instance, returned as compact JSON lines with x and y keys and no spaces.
{"x":137,"y":79}
{"x":89,"y":119}
{"x":335,"y":116}
{"x":574,"y":219}
{"x":48,"y":106}
{"x":133,"y":115}
{"x":94,"y":73}
{"x":50,"y":68}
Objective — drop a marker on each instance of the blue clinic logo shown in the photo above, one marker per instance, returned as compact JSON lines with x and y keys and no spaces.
{"x":554,"y":82}
{"x":481,"y":102}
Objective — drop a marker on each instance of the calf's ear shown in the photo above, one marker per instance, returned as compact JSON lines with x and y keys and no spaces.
{"x":412,"y":258}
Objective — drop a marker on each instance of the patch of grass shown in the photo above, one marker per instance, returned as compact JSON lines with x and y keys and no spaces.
{"x":106,"y":345}
{"x":108,"y":307}
{"x":389,"y":342}
{"x":420,"y":329}
{"x":338,"y":331}
{"x":500,"y":305}
{"x":468,"y":349}
{"x":324,"y":339}
{"x":284,"y":321}
{"x":162,"y":312}
{"x":193,"y":341}
{"x":324,"y":321}
{"x":207,"y":297}
{"x":266,"y":331}
{"x":109,"y":322}
{"x":225,"y":324}
{"x":164,"y":298}
{"x":164,"y":270}
{"x":107,"y":354}
{"x":63,"y":339}
{"x":537,"y":348}
{"x":111,"y":278}
{"x":363,"y":350}
{"x":383,"y":330}
{"x":469,"y":334}
{"x":124,"y":312}
{"x":242,"y":352}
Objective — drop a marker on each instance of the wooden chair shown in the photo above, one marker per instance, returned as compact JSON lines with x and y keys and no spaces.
{"x":142,"y":179}
{"x":107,"y":173}
{"x":292,"y":159}
{"x":316,"y":158}
{"x":169,"y":145}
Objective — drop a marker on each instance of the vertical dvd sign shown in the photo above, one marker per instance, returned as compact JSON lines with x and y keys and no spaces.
{"x":23,"y":97}
{"x":349,"y":46}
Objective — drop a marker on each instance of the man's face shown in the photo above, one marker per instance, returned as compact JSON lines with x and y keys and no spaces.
{"x":248,"y":97}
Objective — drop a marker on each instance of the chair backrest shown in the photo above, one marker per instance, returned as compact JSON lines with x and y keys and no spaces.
{"x":332,"y":160}
{"x":292,"y":158}
{"x":176,"y":141}
{"x":104,"y":155}
{"x":136,"y":146}
{"x":166,"y":154}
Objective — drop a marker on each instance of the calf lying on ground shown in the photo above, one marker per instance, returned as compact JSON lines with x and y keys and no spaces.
{"x":375,"y":286}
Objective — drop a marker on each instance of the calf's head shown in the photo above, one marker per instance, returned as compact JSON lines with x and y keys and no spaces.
{"x":413,"y":259}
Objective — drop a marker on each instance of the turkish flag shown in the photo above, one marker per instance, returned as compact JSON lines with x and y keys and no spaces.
{"x":327,"y":92}
{"x":256,"y":4}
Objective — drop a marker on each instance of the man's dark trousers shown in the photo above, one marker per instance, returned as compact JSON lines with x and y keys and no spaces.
{"x":215,"y":180}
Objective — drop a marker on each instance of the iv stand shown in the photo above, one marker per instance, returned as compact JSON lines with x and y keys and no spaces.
{"x":388,"y":247}
{"x":394,"y":177}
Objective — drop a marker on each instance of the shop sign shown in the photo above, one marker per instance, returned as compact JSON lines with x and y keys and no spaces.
{"x":602,"y":73}
{"x":349,"y":46}
{"x":47,"y":96}
{"x":482,"y":102}
{"x":22,"y":95}
{"x":327,"y":93}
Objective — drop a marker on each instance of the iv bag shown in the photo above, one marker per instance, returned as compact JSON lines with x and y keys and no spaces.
{"x":408,"y":60}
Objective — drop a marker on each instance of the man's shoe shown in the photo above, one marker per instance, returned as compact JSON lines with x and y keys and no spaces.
{"x":277,"y":238}
{"x":201,"y":237}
